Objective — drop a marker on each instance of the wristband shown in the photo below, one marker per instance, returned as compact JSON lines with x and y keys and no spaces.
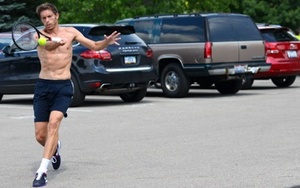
{"x":55,"y":39}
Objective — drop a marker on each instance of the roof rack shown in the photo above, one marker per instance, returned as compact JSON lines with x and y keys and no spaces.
{"x":167,"y":15}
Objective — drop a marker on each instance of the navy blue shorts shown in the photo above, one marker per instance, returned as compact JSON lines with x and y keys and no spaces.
{"x":50,"y":95}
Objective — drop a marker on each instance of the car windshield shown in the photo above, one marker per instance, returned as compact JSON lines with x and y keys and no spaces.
{"x":277,"y":35}
{"x":5,"y":40}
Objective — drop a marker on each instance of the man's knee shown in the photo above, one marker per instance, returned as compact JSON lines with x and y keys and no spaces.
{"x":55,"y":120}
{"x":41,"y":132}
{"x":41,"y":137}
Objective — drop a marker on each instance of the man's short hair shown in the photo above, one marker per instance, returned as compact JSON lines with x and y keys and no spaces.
{"x":46,"y":6}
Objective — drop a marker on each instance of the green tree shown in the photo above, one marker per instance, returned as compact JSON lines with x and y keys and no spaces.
{"x":283,"y":12}
{"x":16,"y":10}
{"x":210,"y":6}
{"x":108,"y":11}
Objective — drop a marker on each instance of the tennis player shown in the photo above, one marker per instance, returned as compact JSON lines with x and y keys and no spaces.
{"x":53,"y":91}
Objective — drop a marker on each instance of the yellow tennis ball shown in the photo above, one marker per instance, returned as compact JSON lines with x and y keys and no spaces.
{"x":42,"y":41}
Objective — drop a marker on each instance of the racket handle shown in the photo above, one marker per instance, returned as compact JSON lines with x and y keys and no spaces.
{"x":55,"y":39}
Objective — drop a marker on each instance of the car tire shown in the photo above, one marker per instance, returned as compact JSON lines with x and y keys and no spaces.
{"x":78,"y":95}
{"x":174,"y":82}
{"x":229,"y":86}
{"x":284,"y":81}
{"x":135,"y":96}
{"x":247,"y":82}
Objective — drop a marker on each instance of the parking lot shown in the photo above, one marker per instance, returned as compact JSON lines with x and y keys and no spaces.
{"x":251,"y":139}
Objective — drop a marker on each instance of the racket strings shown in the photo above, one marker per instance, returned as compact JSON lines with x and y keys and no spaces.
{"x":24,"y":36}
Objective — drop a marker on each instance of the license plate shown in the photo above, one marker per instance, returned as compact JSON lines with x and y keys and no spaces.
{"x":130,"y":60}
{"x":292,"y":54}
{"x":240,"y":68}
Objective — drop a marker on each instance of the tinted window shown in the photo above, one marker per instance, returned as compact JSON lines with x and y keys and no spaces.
{"x":277,"y":35}
{"x":182,"y":29}
{"x":232,"y":28}
{"x":246,"y":28}
{"x":125,"y":38}
{"x":97,"y":33}
{"x":5,"y":41}
{"x":146,"y":29}
{"x":221,"y":30}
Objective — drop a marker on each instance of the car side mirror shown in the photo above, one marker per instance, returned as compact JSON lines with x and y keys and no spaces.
{"x":6,"y":50}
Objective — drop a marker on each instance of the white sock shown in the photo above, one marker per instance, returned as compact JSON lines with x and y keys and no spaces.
{"x":44,"y":165}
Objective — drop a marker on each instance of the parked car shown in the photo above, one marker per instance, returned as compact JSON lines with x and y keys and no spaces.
{"x":125,"y":70}
{"x":283,"y":54}
{"x":5,"y":39}
{"x":207,"y":49}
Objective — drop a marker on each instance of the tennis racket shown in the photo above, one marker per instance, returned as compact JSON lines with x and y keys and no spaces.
{"x":25,"y":36}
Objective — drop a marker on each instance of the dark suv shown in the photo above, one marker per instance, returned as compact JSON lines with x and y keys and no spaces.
{"x":125,"y":70}
{"x":219,"y":49}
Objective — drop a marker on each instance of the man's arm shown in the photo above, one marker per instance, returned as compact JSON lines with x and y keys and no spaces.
{"x":96,"y":45}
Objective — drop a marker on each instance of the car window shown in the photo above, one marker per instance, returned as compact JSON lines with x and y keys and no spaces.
{"x":233,"y":28}
{"x":277,"y":35}
{"x":146,"y":29}
{"x":246,"y":29}
{"x":4,"y":41}
{"x":182,"y":30}
{"x":127,"y":34}
{"x":221,"y":30}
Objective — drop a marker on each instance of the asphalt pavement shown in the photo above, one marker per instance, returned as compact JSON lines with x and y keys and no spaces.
{"x":251,"y":139}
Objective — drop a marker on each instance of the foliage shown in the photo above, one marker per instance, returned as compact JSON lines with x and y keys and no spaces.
{"x":16,"y":10}
{"x":210,"y":6}
{"x":284,"y":12}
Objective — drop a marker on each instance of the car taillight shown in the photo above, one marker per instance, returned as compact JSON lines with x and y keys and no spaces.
{"x":149,"y":52}
{"x":91,"y":54}
{"x":207,"y":50}
{"x":271,"y":49}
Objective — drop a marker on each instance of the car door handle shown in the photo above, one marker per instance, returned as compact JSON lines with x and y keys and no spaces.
{"x":243,"y":47}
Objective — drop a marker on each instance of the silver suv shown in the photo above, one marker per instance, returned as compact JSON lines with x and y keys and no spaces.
{"x":208,"y":49}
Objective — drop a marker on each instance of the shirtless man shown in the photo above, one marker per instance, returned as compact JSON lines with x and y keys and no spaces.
{"x":53,"y":91}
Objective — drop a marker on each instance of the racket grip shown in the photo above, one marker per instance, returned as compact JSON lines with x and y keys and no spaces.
{"x":55,"y":39}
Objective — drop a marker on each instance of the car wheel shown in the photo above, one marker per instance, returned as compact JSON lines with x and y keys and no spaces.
{"x":229,"y":86}
{"x":247,"y":82}
{"x":78,"y":95}
{"x":174,"y":82}
{"x":134,"y":96}
{"x":284,"y":81}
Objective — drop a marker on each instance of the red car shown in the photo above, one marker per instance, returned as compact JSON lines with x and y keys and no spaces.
{"x":283,"y":53}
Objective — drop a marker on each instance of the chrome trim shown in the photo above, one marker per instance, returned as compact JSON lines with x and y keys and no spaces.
{"x":129,"y":69}
{"x":231,"y":71}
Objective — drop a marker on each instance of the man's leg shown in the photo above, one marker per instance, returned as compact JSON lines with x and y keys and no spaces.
{"x":41,"y":131}
{"x":52,"y":136}
{"x":49,"y":141}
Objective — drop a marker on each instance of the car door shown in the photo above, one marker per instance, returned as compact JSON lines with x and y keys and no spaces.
{"x":27,"y":68}
{"x":19,"y":72}
{"x":224,"y":40}
{"x":251,"y":44}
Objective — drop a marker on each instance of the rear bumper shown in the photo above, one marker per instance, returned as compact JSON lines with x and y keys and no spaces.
{"x":281,"y":69}
{"x":227,"y":69}
{"x":117,"y":80}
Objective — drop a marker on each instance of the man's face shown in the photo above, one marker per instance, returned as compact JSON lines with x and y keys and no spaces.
{"x":49,"y":19}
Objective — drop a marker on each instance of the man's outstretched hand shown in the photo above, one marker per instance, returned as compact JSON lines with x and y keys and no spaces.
{"x":113,"y":38}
